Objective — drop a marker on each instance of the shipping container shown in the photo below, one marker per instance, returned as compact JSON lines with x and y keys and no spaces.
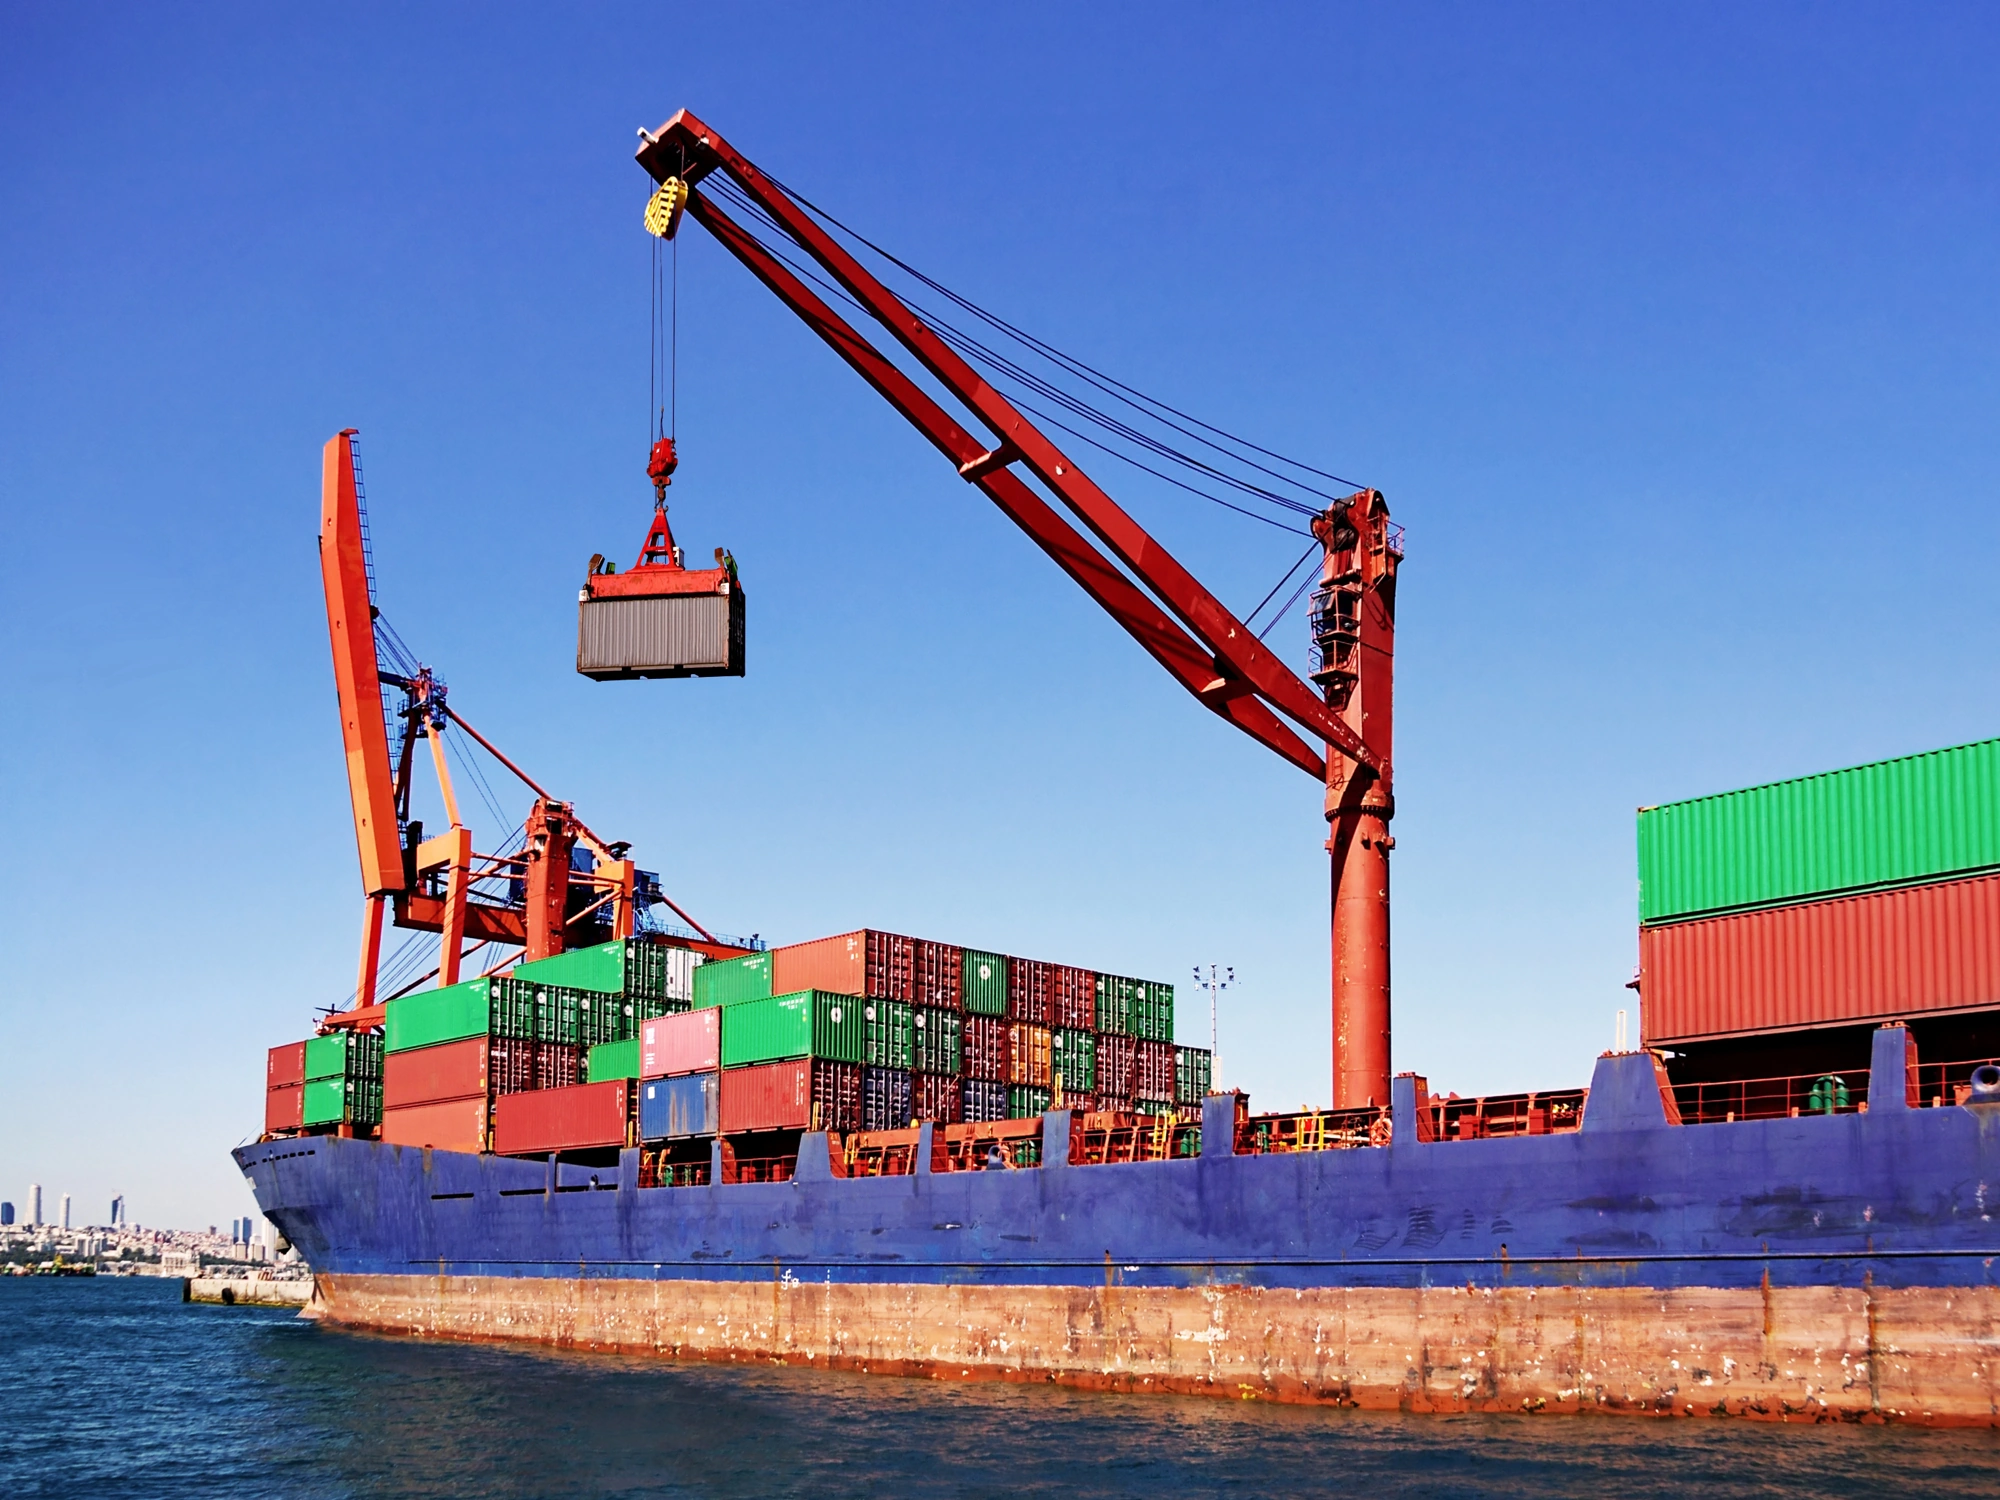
{"x":1110,"y":1104}
{"x":936,"y":1038}
{"x":937,"y":1096}
{"x":661,"y":635}
{"x":687,"y":1043}
{"x":586,"y":1117}
{"x":886,"y":1034}
{"x":684,"y":1105}
{"x":1030,"y":1052}
{"x":1153,"y":1071}
{"x":612,"y":1060}
{"x":284,"y":1107}
{"x":1073,"y":1060}
{"x":802,"y":1094}
{"x":984,"y":991}
{"x":555,"y":1008}
{"x":1025,"y":1101}
{"x":1916,"y":818}
{"x":733,"y":980}
{"x":1886,"y":955}
{"x":477,"y":1007}
{"x":879,"y":965}
{"x":938,"y":975}
{"x":604,"y":1018}
{"x":457,"y":1070}
{"x":558,"y":1065}
{"x":1115,"y":1061}
{"x":344,"y":1054}
{"x":341,"y":1101}
{"x":1114,"y":1005}
{"x":983,"y":1100}
{"x":809,"y":1024}
{"x":885,"y":1098}
{"x":450,"y":1125}
{"x":636,"y":966}
{"x":286,"y":1065}
{"x":1193,"y":1074}
{"x":1028,"y":991}
{"x":1072,"y":998}
{"x":1135,"y":1007}
{"x":985,"y":1049}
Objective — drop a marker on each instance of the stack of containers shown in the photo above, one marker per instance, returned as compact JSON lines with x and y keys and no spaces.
{"x":1847,"y":898}
{"x":449,"y":1053}
{"x":680,"y":1058}
{"x":284,"y":1089}
{"x":343,"y":1080}
{"x":1030,"y":1039}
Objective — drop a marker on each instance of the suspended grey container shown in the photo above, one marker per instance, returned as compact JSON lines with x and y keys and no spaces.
{"x":664,"y":635}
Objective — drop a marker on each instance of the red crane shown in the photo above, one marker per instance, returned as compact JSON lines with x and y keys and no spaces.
{"x":1347,"y":708}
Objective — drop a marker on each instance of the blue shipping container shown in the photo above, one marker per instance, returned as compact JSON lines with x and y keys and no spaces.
{"x":677,"y":1106}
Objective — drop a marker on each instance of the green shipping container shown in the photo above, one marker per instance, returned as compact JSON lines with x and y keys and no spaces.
{"x":555,"y":1009}
{"x":623,"y":966}
{"x":937,"y":1040}
{"x":733,"y":981}
{"x":604,"y":1017}
{"x":985,"y":984}
{"x":478,"y":1007}
{"x":1194,"y":1071}
{"x":1152,"y":1012}
{"x":1921,"y":817}
{"x":1026,"y":1100}
{"x":344,"y":1054}
{"x":1073,"y":1057}
{"x":612,"y":1060}
{"x":811,"y":1023}
{"x":343,"y":1101}
{"x":886,"y":1029}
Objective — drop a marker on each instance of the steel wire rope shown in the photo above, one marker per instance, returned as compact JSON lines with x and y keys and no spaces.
{"x":1111,"y":386}
{"x":475,"y":775}
{"x":1286,"y":608}
{"x":1251,"y":618}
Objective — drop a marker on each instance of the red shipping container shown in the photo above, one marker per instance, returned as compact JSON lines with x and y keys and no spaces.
{"x":796,"y":1095}
{"x":453,"y":1125}
{"x":1029,"y":1049}
{"x":876,"y":964}
{"x":936,"y":1096}
{"x":1153,"y":1071}
{"x":985,"y":1049}
{"x":449,"y":1070}
{"x":1852,"y":959}
{"x":1073,"y":997}
{"x":558,"y":1065}
{"x":1115,"y":1058}
{"x":687,"y":1043}
{"x":285,"y":1065}
{"x":1028,"y":991}
{"x":565,"y":1119}
{"x":285,"y":1106}
{"x":1110,"y":1104}
{"x":939,"y":975}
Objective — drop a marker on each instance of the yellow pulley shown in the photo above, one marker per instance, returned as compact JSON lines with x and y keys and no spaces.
{"x":665,"y":207}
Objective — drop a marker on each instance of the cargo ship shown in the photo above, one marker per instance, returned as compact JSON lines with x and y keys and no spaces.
{"x":606,"y":1126}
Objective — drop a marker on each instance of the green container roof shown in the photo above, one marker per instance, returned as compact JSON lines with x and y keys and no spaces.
{"x":1890,"y":822}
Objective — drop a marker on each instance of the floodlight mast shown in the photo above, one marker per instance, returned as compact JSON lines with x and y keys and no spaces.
{"x":1183,"y":627}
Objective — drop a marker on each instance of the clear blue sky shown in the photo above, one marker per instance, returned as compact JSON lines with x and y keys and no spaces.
{"x":1671,"y":337}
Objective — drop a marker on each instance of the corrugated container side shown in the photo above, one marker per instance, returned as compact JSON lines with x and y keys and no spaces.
{"x":936,"y":1040}
{"x":1153,"y":1071}
{"x":342,"y":1101}
{"x":284,"y":1107}
{"x":612,"y":1060}
{"x":684,"y":1105}
{"x":451,"y":1125}
{"x":879,"y":965}
{"x":1152,"y":1011}
{"x":836,"y":1093}
{"x":886,"y":1029}
{"x":1103,"y":1103}
{"x":285,"y":1065}
{"x":1072,"y":998}
{"x":984,"y":988}
{"x":985,"y":1048}
{"x":555,"y":1008}
{"x":1073,"y":1059}
{"x":558,"y":1065}
{"x":449,"y":1070}
{"x":1194,"y":1071}
{"x":1887,"y":954}
{"x":623,"y":966}
{"x":1919,"y":817}
{"x":800,"y":1094}
{"x":672,"y":635}
{"x":1030,"y":1051}
{"x":810,"y":1024}
{"x":687,"y":1043}
{"x":590,"y":1115}
{"x":885,"y":1098}
{"x":938,"y":975}
{"x":982,"y":1100}
{"x":1115,"y":1061}
{"x":937,"y":1096}
{"x":732,"y":981}
{"x":344,"y":1054}
{"x":477,"y":1007}
{"x":1114,"y":1004}
{"x":1025,"y":1101}
{"x":1028,"y":991}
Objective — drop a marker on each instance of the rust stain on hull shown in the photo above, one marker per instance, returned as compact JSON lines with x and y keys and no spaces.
{"x":1921,"y":1355}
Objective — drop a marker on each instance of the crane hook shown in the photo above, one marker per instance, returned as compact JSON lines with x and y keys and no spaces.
{"x":664,"y":208}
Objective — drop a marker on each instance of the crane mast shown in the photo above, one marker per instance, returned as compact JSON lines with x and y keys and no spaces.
{"x":1346,"y":710}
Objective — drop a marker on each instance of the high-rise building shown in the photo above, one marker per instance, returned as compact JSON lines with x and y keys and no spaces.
{"x":65,"y":1210}
{"x":35,"y":1204}
{"x":6,"y":1213}
{"x":118,"y":1211}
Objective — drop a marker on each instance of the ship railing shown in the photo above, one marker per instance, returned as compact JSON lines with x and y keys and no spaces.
{"x":1722,"y":1103}
{"x":983,"y":1146}
{"x":1311,"y":1130}
{"x":875,"y":1153}
{"x":1496,"y":1116}
{"x":1939,"y":1084}
{"x":1109,"y":1137}
{"x":662,"y":1168}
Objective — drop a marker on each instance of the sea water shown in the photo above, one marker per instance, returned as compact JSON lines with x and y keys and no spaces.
{"x":116,"y":1388}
